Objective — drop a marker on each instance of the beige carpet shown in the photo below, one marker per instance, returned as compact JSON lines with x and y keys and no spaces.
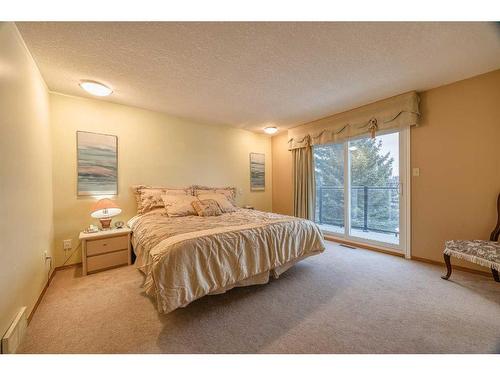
{"x":343,"y":301}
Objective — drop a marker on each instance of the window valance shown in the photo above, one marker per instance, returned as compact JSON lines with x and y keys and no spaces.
{"x":392,"y":113}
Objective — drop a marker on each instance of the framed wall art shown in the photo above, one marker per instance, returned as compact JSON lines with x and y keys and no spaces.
{"x":97,"y":163}
{"x":257,"y":171}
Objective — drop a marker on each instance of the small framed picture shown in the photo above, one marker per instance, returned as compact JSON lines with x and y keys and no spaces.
{"x":257,"y":172}
{"x":97,"y":163}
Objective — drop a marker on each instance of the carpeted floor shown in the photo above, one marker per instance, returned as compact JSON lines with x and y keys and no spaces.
{"x":343,"y":301}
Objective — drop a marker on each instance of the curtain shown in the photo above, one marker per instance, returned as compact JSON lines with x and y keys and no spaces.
{"x":304,"y":191}
{"x":393,"y":113}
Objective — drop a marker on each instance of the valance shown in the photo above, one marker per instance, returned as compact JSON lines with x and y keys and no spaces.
{"x":392,"y":113}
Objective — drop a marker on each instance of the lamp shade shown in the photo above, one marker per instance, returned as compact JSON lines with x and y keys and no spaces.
{"x":105,"y":208}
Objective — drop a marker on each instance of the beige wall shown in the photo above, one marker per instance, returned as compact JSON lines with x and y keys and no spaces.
{"x":458,"y":152}
{"x":282,"y":175}
{"x":153,"y":148}
{"x":25,"y":178}
{"x":457,"y":148}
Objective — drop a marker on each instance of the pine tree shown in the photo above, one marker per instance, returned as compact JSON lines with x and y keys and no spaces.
{"x":370,"y":168}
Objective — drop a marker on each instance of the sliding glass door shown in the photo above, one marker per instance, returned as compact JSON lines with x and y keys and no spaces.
{"x":359,"y":189}
{"x":374,"y":182}
{"x":329,"y":170}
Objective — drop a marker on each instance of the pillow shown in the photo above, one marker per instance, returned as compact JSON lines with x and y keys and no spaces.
{"x":148,"y":198}
{"x":229,"y":192}
{"x":224,"y":204}
{"x":179,"y":205}
{"x":207,"y":207}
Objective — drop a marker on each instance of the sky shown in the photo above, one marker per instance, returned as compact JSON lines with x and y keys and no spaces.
{"x":390,"y":143}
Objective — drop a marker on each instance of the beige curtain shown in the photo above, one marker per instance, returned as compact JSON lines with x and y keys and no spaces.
{"x":304,"y":192}
{"x":392,"y":113}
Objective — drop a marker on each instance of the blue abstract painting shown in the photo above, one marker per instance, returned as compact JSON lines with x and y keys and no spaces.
{"x":97,"y":164}
{"x":257,"y":171}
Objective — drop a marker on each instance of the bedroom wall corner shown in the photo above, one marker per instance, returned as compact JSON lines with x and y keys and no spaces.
{"x":282,"y":175}
{"x":153,"y":149}
{"x":26,"y":222}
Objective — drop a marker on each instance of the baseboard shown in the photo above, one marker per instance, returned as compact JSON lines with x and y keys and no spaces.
{"x":363,"y":246}
{"x":72,"y":265}
{"x":460,"y":268}
{"x":40,"y":297}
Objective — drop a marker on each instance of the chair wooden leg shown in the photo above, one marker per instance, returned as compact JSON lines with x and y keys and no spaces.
{"x":448,"y":267}
{"x":495,"y":275}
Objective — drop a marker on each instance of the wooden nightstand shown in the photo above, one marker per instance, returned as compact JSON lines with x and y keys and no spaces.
{"x":105,"y":249}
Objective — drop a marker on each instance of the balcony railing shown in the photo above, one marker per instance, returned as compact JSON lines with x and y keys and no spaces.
{"x":384,"y":209}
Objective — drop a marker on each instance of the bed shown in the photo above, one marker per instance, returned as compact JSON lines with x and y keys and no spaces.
{"x":186,"y":258}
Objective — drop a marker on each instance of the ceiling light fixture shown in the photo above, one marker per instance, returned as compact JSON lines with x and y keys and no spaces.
{"x":96,"y":88}
{"x":271,"y":129}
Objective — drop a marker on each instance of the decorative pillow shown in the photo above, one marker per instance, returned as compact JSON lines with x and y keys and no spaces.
{"x":179,"y":205}
{"x":148,"y":198}
{"x":229,"y":192}
{"x":224,"y":204}
{"x":207,"y":207}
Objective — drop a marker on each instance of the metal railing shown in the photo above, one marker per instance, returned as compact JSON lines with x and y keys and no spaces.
{"x":320,"y":192}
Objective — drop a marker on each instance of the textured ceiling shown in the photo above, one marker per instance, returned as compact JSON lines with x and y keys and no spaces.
{"x":250,"y":75}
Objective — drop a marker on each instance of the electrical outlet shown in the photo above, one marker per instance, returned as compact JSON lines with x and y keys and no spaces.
{"x":67,"y":245}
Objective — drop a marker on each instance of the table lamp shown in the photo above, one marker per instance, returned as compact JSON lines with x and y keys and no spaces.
{"x":104,"y":210}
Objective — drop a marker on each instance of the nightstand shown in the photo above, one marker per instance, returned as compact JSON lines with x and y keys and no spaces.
{"x":105,"y":249}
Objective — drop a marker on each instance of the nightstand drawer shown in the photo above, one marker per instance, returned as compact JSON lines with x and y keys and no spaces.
{"x":107,"y":245}
{"x":100,"y":262}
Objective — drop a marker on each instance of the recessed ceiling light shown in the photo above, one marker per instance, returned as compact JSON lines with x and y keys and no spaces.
{"x":271,"y":129}
{"x":96,"y":88}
